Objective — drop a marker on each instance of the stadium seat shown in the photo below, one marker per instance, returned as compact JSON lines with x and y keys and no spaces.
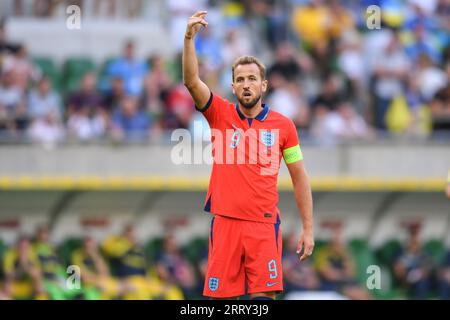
{"x":153,"y":248}
{"x":49,"y":69}
{"x":363,"y":256}
{"x":73,"y":71}
{"x":3,"y":248}
{"x":195,"y":248}
{"x":436,"y":249}
{"x":387,"y":252}
{"x":66,"y":249}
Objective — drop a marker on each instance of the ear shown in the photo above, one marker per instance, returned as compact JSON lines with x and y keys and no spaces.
{"x":232,"y":88}
{"x":265,"y":85}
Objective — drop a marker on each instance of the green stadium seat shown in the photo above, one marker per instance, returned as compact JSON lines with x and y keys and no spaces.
{"x":388,"y":251}
{"x":436,"y":249}
{"x":195,"y":248}
{"x":66,"y":249}
{"x":174,"y":70}
{"x":364,"y":257}
{"x":49,"y":69}
{"x":3,"y":249}
{"x":73,"y":71}
{"x":153,"y":247}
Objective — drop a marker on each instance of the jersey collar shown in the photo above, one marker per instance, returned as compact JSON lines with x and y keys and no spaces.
{"x":262,"y":115}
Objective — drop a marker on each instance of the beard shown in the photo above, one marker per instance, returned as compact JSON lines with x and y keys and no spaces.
{"x":249,"y":104}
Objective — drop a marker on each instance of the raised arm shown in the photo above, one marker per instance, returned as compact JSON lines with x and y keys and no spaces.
{"x":197,"y":88}
{"x":303,"y":197}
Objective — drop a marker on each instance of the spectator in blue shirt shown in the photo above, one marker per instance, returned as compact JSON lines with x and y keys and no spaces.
{"x":129,"y":122}
{"x":131,"y":69}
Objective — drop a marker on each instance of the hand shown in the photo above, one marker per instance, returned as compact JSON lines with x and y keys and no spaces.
{"x":194,"y":24}
{"x":306,"y":242}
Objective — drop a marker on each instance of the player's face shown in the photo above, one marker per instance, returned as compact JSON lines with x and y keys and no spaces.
{"x":248,"y":86}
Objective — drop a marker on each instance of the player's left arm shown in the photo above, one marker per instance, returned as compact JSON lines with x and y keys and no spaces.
{"x":303,"y":197}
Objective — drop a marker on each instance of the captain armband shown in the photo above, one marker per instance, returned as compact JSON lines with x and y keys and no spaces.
{"x":292,"y":154}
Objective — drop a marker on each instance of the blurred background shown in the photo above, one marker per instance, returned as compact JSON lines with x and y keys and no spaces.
{"x":86,"y":117}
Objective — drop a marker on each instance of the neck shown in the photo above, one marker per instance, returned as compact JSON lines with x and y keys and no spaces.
{"x":253,"y":112}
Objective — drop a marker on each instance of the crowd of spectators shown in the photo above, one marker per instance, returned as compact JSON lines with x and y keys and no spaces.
{"x":334,"y":76}
{"x":118,"y":266}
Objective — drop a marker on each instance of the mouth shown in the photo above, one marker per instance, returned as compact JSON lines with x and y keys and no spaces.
{"x":247,"y":94}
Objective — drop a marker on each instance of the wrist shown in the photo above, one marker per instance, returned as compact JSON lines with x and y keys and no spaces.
{"x":188,"y":37}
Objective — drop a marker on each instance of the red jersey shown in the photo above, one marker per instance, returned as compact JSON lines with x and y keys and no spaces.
{"x":247,"y":155}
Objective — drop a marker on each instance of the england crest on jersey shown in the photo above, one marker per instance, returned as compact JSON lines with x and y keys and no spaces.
{"x":213,"y":283}
{"x":267,"y":138}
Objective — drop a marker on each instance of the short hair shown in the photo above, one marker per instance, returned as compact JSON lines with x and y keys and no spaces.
{"x":249,"y":60}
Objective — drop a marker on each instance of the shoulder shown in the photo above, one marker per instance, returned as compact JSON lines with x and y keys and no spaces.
{"x":282,"y":121}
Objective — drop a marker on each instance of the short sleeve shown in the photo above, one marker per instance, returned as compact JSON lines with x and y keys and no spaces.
{"x":211,"y":111}
{"x":291,"y":147}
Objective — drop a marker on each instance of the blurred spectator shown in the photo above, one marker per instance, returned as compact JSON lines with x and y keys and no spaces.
{"x":341,"y":19}
{"x":174,"y":268}
{"x":54,"y":276}
{"x":106,"y":8}
{"x":286,"y":98}
{"x":422,"y":45}
{"x":47,"y":8}
{"x":337,"y":268}
{"x":298,"y":276}
{"x":6,"y":47}
{"x":440,"y":110}
{"x":47,"y":130}
{"x":179,"y":13}
{"x":331,"y":95}
{"x":234,"y":46}
{"x":289,"y":63}
{"x":412,"y":267}
{"x":12,"y":104}
{"x":43,"y":100}
{"x":179,"y":108}
{"x":24,"y":72}
{"x":156,"y":88}
{"x":350,"y":61}
{"x":87,"y":97}
{"x":444,"y":278}
{"x":420,"y":124}
{"x":114,"y":95}
{"x":340,"y":125}
{"x":87,"y":125}
{"x":131,"y":69}
{"x":429,"y":77}
{"x":96,"y":279}
{"x":128,"y":263}
{"x":312,"y":23}
{"x":209,"y":50}
{"x":23,"y":276}
{"x":129,"y":122}
{"x":11,"y":95}
{"x":391,"y":70}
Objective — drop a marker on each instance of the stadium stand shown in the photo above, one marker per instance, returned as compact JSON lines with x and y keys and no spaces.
{"x":372,"y":109}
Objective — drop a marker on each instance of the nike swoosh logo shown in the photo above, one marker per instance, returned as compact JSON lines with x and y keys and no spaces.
{"x":270,"y":284}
